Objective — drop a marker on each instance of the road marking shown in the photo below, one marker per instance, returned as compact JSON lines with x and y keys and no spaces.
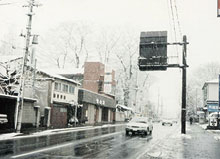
{"x":65,"y":145}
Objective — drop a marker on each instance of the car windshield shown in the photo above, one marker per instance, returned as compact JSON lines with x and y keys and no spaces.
{"x":139,"y":120}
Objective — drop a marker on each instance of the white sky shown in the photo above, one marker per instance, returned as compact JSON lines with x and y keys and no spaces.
{"x":198,"y":20}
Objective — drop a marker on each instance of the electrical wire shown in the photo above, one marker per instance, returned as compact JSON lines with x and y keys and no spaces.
{"x":177,"y":17}
{"x":174,"y":26}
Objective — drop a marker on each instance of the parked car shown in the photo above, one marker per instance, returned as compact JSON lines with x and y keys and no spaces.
{"x":3,"y":118}
{"x":167,"y":122}
{"x":139,"y":125}
{"x":212,"y":119}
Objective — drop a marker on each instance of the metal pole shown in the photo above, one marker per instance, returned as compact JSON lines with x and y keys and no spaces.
{"x":75,"y":115}
{"x":183,"y":114}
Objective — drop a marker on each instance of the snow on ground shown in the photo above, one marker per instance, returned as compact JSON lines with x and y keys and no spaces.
{"x":8,"y":135}
{"x":204,"y":126}
{"x":181,"y":136}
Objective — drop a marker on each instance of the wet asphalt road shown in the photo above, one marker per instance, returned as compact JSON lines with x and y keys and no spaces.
{"x":107,"y":142}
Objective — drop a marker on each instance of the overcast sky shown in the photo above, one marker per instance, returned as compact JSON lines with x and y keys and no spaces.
{"x":196,"y":18}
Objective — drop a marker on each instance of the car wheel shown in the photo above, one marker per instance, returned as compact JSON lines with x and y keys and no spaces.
{"x":145,"y":133}
{"x":127,"y":133}
{"x":171,"y":124}
{"x":150,"y":132}
{"x":163,"y":124}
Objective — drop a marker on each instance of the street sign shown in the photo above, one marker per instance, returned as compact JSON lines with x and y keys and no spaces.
{"x":153,"y":51}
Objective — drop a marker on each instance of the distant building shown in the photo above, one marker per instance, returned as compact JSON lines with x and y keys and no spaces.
{"x":210,"y":96}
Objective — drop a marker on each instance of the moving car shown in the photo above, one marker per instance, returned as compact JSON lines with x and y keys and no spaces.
{"x":167,"y":122}
{"x":140,"y":125}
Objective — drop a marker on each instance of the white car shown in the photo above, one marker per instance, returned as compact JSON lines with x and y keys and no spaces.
{"x":167,"y":122}
{"x":140,"y":125}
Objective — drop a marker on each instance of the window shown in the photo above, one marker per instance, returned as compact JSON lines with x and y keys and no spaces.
{"x":57,"y":86}
{"x":61,"y":96}
{"x":71,"y":89}
{"x":64,"y":97}
{"x":63,"y":110}
{"x":54,"y":95}
{"x":65,"y":88}
{"x":57,"y":95}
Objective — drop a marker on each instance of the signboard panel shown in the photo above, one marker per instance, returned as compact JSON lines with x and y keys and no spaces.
{"x":153,"y":51}
{"x":212,"y":107}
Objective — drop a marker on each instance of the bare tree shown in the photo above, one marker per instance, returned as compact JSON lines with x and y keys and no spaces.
{"x":67,"y":44}
{"x":197,"y":79}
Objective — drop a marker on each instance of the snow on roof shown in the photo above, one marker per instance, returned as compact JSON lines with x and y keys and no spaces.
{"x":15,"y":97}
{"x":124,"y":107}
{"x":213,"y":81}
{"x":53,"y":73}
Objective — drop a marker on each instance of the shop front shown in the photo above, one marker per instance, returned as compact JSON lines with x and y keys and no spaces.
{"x":96,"y":108}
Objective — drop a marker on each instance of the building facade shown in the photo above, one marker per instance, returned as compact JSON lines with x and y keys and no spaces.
{"x":211,"y":96}
{"x":57,"y":98}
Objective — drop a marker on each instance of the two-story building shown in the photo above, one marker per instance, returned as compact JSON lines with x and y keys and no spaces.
{"x":57,"y":97}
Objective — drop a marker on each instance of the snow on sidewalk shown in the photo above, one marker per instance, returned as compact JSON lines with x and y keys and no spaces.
{"x":8,"y":136}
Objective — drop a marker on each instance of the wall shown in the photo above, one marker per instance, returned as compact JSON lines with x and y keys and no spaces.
{"x":93,"y":73}
{"x":91,"y":114}
{"x":120,"y":116}
{"x":58,"y":116}
{"x":213,"y":91}
{"x":69,"y":97}
{"x":29,"y":114}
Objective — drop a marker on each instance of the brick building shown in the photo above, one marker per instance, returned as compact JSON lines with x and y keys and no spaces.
{"x":97,"y":93}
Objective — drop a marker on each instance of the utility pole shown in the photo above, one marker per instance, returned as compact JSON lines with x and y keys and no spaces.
{"x":20,"y":98}
{"x":183,"y":112}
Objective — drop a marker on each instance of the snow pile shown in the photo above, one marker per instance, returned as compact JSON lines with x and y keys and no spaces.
{"x":179,"y":136}
{"x":156,"y":154}
{"x":8,"y":136}
{"x":204,"y":126}
{"x":217,"y":138}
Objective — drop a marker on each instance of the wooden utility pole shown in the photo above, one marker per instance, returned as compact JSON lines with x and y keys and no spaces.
{"x":20,"y":98}
{"x":183,"y":112}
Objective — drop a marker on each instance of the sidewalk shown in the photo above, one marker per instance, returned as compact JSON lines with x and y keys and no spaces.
{"x":9,"y":136}
{"x":197,"y":143}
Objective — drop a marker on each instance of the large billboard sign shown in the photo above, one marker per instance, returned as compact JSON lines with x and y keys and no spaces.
{"x":153,"y":51}
{"x":218,"y":8}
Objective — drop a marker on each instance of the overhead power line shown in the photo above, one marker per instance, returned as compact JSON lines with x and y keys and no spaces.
{"x":174,"y":26}
{"x":177,"y":17}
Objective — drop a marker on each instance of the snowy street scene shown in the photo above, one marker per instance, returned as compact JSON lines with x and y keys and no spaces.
{"x":109,"y":79}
